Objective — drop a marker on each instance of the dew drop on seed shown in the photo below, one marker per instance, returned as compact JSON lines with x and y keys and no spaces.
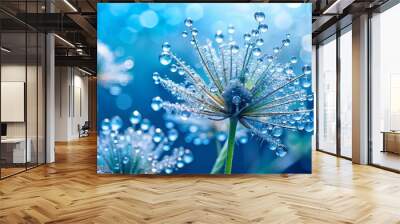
{"x":256,"y":51}
{"x":188,"y":22}
{"x":165,"y":58}
{"x":277,"y":131}
{"x":231,"y":29}
{"x":135,"y":117}
{"x":166,"y":47}
{"x":195,"y":32}
{"x":185,"y":115}
{"x":263,"y":28}
{"x":156,"y":103}
{"x":158,"y":135}
{"x":219,"y":37}
{"x":156,"y":77}
{"x":173,"y":68}
{"x":307,"y":69}
{"x":259,"y":16}
{"x":235,"y":49}
{"x":260,"y":42}
{"x":236,"y":100}
{"x":281,"y":152}
{"x":246,"y":36}
{"x":116,"y":123}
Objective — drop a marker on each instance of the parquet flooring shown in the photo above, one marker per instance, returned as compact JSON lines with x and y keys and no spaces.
{"x":70,"y":191}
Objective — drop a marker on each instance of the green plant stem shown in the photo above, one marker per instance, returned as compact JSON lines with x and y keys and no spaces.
{"x":231,"y":144}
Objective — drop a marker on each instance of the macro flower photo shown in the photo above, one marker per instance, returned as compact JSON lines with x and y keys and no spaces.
{"x":233,"y":81}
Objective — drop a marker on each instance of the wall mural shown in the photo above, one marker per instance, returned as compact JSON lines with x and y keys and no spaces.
{"x":196,"y":88}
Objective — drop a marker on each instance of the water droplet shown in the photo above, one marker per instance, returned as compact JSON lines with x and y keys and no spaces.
{"x":309,"y":127}
{"x":277,"y":131}
{"x":129,"y":64}
{"x":156,"y":103}
{"x":235,"y":49}
{"x":279,"y":68}
{"x":259,"y":16}
{"x":243,"y":139}
{"x":297,"y":116}
{"x":263,"y":28}
{"x":231,"y":29}
{"x":219,"y":37}
{"x":116,"y":123}
{"x":272,"y":146}
{"x":173,"y":68}
{"x":158,"y":135}
{"x":260,"y":42}
{"x":195,"y":32}
{"x":172,"y":135}
{"x":188,"y":156}
{"x":184,"y":34}
{"x":214,"y":89}
{"x":135,"y":117}
{"x":286,"y":42}
{"x":197,"y":141}
{"x":255,"y":33}
{"x":166,"y":148}
{"x":193,"y":128}
{"x":236,"y":100}
{"x":276,"y":50}
{"x":156,"y":77}
{"x":281,"y":151}
{"x":105,"y":124}
{"x":188,"y":22}
{"x":256,"y":51}
{"x":289,"y":71}
{"x":168,"y":170}
{"x":166,"y":47}
{"x":185,"y":115}
{"x":307,"y":69}
{"x":293,"y":60}
{"x":221,"y":136}
{"x":169,"y":124}
{"x":270,"y":58}
{"x":300,"y":125}
{"x":246,"y":36}
{"x":181,"y":71}
{"x":145,"y":125}
{"x":165,"y":58}
{"x":125,"y":160}
{"x":180,"y":164}
{"x":306,"y":82}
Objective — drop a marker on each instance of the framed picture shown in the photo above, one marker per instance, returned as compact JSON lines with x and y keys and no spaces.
{"x":204,"y":88}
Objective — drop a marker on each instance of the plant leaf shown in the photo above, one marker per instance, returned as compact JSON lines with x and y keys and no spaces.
{"x":220,"y":162}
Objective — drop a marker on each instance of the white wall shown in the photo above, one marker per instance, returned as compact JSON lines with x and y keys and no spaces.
{"x":314,"y":88}
{"x":71,"y":102}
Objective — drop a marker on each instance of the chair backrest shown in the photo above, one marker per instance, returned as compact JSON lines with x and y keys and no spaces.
{"x":86,"y":125}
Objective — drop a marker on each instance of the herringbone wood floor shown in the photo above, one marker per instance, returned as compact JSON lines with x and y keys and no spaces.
{"x":70,"y":191}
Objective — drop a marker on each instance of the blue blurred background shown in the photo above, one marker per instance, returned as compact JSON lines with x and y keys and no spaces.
{"x":130,"y":36}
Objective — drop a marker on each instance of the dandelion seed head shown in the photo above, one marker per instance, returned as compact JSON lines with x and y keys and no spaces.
{"x":244,"y":79}
{"x":140,"y":148}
